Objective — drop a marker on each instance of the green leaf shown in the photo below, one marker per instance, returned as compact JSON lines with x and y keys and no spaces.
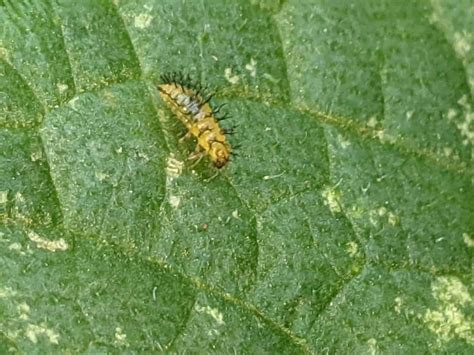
{"x":345,"y":224}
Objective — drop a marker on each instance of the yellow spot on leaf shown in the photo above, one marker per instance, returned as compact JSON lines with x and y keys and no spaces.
{"x":332,"y":199}
{"x":175,"y":201}
{"x":372,"y":122}
{"x":448,"y":319}
{"x":51,"y":245}
{"x":142,"y":21}
{"x":120,"y":337}
{"x":62,"y":87}
{"x":3,"y":197}
{"x":352,"y":248}
{"x":33,"y":331}
{"x":398,"y":304}
{"x":23,"y":309}
{"x":15,"y":247}
{"x":7,"y":292}
{"x":252,"y":67}
{"x":213,"y":312}
{"x":174,"y":167}
{"x":231,"y":78}
{"x":392,"y":218}
{"x":468,"y":240}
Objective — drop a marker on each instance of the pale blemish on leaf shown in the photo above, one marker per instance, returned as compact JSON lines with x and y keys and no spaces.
{"x":372,"y":344}
{"x":270,"y":78}
{"x":356,"y":212}
{"x":50,"y":245}
{"x":398,"y":304}
{"x":468,"y":240}
{"x":23,"y":311}
{"x":7,"y":292}
{"x":3,"y":197}
{"x":175,"y":201}
{"x":235,"y":214}
{"x":447,"y":151}
{"x":332,"y":199}
{"x":352,"y":248}
{"x":252,"y":67}
{"x":462,"y":44}
{"x":19,"y":198}
{"x":142,"y":21}
{"x":380,"y":134}
{"x":19,"y":204}
{"x":4,"y":54}
{"x":120,"y":337}
{"x":143,"y":156}
{"x":72,"y":102}
{"x":392,"y":218}
{"x":448,"y":320}
{"x":382,"y":214}
{"x":15,"y":247}
{"x":345,"y":143}
{"x":213,"y":333}
{"x":466,"y":124}
{"x":101,"y":176}
{"x":33,"y":331}
{"x":409,"y":114}
{"x":174,"y":168}
{"x":384,"y":137}
{"x":62,"y":87}
{"x":35,"y":156}
{"x":372,"y":122}
{"x":451,"y":114}
{"x":374,"y":215}
{"x":213,"y":312}
{"x":110,"y":98}
{"x":382,"y":211}
{"x":231,"y":78}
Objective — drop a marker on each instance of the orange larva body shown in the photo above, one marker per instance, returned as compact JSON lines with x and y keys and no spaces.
{"x":199,"y":118}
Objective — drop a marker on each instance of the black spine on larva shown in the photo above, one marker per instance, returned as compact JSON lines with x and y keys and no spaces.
{"x":179,"y":77}
{"x":165,"y":78}
{"x":192,"y":95}
{"x":182,"y":80}
{"x":223,"y":117}
{"x":218,"y":109}
{"x":230,"y":130}
{"x":207,"y":100}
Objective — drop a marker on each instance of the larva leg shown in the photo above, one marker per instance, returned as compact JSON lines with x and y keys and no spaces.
{"x":212,"y":177}
{"x":186,"y":136}
{"x":196,"y":157}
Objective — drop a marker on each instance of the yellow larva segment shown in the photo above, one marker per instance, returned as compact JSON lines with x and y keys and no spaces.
{"x":201,"y":123}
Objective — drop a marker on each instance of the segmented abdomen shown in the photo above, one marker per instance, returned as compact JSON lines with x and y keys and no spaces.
{"x":197,"y":115}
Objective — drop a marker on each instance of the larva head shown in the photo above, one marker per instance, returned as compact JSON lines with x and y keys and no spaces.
{"x":220,"y":154}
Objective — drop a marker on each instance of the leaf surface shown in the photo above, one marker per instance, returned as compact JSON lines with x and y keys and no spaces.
{"x":345,"y":224}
